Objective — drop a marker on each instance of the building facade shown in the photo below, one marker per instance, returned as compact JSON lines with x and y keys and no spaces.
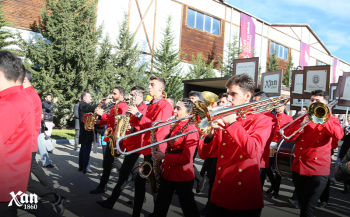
{"x":205,"y":26}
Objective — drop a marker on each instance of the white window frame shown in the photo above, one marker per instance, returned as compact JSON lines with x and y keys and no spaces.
{"x":204,"y":20}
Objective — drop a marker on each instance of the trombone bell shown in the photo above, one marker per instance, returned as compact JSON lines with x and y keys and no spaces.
{"x":318,"y":113}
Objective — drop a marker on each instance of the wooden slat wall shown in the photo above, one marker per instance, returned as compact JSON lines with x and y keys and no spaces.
{"x":194,"y":40}
{"x":22,"y":13}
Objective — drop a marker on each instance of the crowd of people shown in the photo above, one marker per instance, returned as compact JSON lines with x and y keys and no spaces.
{"x":238,"y":151}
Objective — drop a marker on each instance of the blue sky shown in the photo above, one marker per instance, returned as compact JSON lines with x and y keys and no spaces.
{"x":329,"y":19}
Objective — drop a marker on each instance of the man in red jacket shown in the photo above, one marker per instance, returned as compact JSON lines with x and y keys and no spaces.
{"x":311,"y":164}
{"x":237,"y":189}
{"x":130,"y":163}
{"x":109,"y":119}
{"x":159,"y":109}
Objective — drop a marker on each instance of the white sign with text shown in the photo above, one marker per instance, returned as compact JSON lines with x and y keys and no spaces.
{"x":247,"y":67}
{"x":271,"y":83}
{"x":316,"y":80}
{"x":298,"y":84}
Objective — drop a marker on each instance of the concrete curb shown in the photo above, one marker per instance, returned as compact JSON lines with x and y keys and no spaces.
{"x":62,"y":141}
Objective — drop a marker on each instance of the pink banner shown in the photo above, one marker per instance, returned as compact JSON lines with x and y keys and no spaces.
{"x":335,"y":63}
{"x":304,"y":54}
{"x":247,"y":36}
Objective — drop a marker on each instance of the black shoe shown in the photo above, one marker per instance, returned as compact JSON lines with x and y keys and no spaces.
{"x":322,"y":204}
{"x":200,"y":185}
{"x":294,"y":203}
{"x":274,"y":195}
{"x":98,"y":190}
{"x":270,"y":190}
{"x":59,"y":205}
{"x":80,"y":169}
{"x":105,"y":204}
{"x":84,"y":171}
{"x":49,"y":166}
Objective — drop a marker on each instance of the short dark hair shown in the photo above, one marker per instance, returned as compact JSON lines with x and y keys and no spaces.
{"x":120,"y":89}
{"x":222,"y":95}
{"x":188,"y":104}
{"x":244,"y":81}
{"x":262,"y":95}
{"x":47,"y":94}
{"x":28,"y":75}
{"x":11,"y":66}
{"x":171,"y":98}
{"x":320,"y":93}
{"x":305,"y":107}
{"x":195,"y":94}
{"x":83,"y":94}
{"x":161,"y":79}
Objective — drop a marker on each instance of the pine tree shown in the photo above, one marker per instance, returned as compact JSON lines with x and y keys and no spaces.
{"x":199,"y":68}
{"x":129,"y":70}
{"x":272,"y":62}
{"x":286,"y":74}
{"x":7,"y":37}
{"x":65,"y":61}
{"x":167,"y":62}
{"x":234,"y":49}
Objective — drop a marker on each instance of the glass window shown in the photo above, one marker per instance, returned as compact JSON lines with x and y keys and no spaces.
{"x":207,"y":24}
{"x":191,"y":17}
{"x":199,"y":21}
{"x":203,"y":22}
{"x":216,"y":27}
{"x":280,"y":52}
{"x":272,"y":47}
{"x":319,"y":63}
{"x":285,"y":53}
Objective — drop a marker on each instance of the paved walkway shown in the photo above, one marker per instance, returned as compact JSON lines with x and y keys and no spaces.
{"x":76,"y":186}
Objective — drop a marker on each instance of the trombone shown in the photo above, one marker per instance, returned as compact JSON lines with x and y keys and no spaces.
{"x":317,"y":112}
{"x":203,"y":118}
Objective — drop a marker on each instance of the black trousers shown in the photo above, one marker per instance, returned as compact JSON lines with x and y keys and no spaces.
{"x":185,"y":194}
{"x":44,"y":189}
{"x":206,"y":168}
{"x":84,"y":155}
{"x":40,"y":211}
{"x":212,"y":175}
{"x":129,"y":166}
{"x":140,"y":190}
{"x":108,"y":162}
{"x":215,"y":211}
{"x":309,"y":190}
{"x":116,"y":162}
{"x":325,"y":194}
{"x":268,"y":172}
{"x":197,"y":175}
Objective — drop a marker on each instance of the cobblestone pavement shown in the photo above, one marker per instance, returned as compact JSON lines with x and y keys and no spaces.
{"x":76,"y":186}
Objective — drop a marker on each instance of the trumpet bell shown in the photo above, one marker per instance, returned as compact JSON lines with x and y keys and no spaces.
{"x":209,"y":98}
{"x":318,"y":113}
{"x":145,"y":169}
{"x":201,"y":117}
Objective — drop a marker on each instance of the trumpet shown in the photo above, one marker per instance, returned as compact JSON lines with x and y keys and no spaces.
{"x":203,"y":118}
{"x":317,"y":112}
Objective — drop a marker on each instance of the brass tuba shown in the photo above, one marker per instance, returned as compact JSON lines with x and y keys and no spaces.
{"x":91,"y":118}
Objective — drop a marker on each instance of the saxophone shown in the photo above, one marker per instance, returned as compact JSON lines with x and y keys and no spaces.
{"x":109,"y":133}
{"x":146,"y":170}
{"x":90,"y":118}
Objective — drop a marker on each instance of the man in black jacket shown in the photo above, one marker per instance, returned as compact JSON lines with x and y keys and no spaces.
{"x":48,"y":112}
{"x":85,"y":137}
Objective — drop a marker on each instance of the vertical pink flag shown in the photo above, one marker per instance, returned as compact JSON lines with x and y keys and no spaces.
{"x":304,"y":54}
{"x":247,"y":36}
{"x":335,"y":63}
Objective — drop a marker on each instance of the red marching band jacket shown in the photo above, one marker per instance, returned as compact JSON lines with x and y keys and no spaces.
{"x":313,"y":146}
{"x":237,"y":182}
{"x":34,"y":97}
{"x":16,"y":141}
{"x":178,"y":164}
{"x":134,"y":142}
{"x":158,"y":111}
{"x":265,"y":155}
{"x":283,"y":120}
{"x":110,"y":119}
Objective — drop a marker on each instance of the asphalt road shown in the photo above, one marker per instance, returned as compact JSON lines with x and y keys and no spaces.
{"x":76,"y":186}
